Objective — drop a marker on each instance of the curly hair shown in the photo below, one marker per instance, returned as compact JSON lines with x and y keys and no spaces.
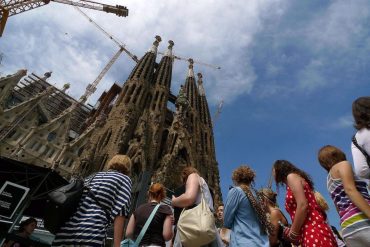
{"x":243,"y":175}
{"x":361,"y":112}
{"x":121,"y":163}
{"x":186,"y":172}
{"x":283,"y":168}
{"x":157,"y":191}
{"x":329,"y":156}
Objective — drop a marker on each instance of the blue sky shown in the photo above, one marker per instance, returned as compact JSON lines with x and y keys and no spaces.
{"x":290,"y":69}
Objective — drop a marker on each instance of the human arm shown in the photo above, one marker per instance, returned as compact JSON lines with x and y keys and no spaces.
{"x":191,"y":192}
{"x":295,"y":183}
{"x":275,"y":216}
{"x":119,"y":222}
{"x":167,"y":228}
{"x":360,"y":165}
{"x":231,"y":206}
{"x":346,"y":174}
{"x":130,"y":227}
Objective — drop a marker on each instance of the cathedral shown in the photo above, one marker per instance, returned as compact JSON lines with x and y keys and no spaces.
{"x":42,"y":125}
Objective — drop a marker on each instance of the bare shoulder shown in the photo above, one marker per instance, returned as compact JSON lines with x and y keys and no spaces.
{"x":275,"y":213}
{"x":294,"y":178}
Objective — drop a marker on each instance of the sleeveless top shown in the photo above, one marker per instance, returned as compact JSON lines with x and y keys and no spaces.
{"x":207,"y":194}
{"x":315,"y":230}
{"x":351,"y":217}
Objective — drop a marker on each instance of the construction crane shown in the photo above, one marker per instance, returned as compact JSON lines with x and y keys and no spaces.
{"x":195,"y":61}
{"x":91,"y":88}
{"x":115,"y":40}
{"x":218,"y":111}
{"x":132,"y":56}
{"x":13,"y":7}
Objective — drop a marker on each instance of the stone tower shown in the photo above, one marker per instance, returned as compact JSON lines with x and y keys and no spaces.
{"x":115,"y":135}
{"x":159,"y":142}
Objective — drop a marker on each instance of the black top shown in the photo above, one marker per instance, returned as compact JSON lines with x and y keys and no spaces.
{"x":153,"y":234}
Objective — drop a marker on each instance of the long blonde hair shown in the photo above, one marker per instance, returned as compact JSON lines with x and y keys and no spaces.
{"x":321,"y":201}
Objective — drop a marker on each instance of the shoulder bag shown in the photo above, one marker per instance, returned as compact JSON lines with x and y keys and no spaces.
{"x":196,"y":226}
{"x":63,"y":202}
{"x":129,"y":243}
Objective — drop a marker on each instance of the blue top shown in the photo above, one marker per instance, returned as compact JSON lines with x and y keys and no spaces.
{"x":240,"y":217}
{"x":88,"y":226}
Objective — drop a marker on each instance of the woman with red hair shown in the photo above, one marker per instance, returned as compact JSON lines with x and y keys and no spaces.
{"x":160,"y":229}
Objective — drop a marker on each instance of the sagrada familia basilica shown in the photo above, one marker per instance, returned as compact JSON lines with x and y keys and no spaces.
{"x":43,"y":126}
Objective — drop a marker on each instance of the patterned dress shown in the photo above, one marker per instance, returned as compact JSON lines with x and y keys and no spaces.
{"x":315,"y":232}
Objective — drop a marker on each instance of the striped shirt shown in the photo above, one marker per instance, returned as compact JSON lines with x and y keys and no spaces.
{"x":88,"y":226}
{"x":351,"y":218}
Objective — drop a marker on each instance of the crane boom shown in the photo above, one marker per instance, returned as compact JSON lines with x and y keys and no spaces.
{"x":115,"y":40}
{"x":197,"y":62}
{"x":91,"y":88}
{"x":13,"y":7}
{"x":118,"y":10}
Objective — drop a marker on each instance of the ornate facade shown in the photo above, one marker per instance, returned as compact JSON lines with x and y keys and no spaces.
{"x":133,"y":120}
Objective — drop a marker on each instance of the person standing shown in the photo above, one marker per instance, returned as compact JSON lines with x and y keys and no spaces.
{"x":192,"y":197}
{"x":224,"y":232}
{"x":275,"y":216}
{"x":325,"y":207}
{"x":309,"y":226}
{"x":361,"y":141}
{"x":349,"y":194}
{"x":107,"y":199}
{"x":160,"y":229}
{"x":243,"y":214}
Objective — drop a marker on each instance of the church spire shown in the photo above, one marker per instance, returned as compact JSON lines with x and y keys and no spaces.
{"x":190,"y":86}
{"x":203,"y":109}
{"x":200,"y":84}
{"x":155,"y":45}
{"x":145,"y":67}
{"x":191,"y":66}
{"x":169,"y":50}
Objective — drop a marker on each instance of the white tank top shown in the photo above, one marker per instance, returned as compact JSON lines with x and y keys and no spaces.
{"x":207,"y":194}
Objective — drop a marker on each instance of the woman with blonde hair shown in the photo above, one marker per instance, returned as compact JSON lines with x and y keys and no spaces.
{"x":275,"y":217}
{"x":325,"y":207}
{"x":349,"y":194}
{"x":160,"y":228}
{"x":243,"y":214}
{"x":106,"y":199}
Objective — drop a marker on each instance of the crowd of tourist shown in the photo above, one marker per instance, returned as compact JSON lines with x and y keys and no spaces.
{"x":248,"y":217}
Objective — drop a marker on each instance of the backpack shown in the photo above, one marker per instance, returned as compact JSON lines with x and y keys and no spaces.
{"x":61,"y":204}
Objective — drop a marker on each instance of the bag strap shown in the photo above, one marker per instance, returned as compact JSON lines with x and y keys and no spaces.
{"x":92,"y":194}
{"x":147,"y":223}
{"x":354,"y":140}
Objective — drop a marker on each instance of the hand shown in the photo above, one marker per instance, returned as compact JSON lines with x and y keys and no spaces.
{"x":291,"y":236}
{"x":173,"y":201}
{"x":172,"y":219}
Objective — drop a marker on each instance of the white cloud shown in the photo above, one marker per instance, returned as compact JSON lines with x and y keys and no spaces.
{"x":56,"y":37}
{"x":340,"y":25}
{"x":310,"y":77}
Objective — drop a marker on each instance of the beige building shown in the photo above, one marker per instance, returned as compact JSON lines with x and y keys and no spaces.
{"x":135,"y":120}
